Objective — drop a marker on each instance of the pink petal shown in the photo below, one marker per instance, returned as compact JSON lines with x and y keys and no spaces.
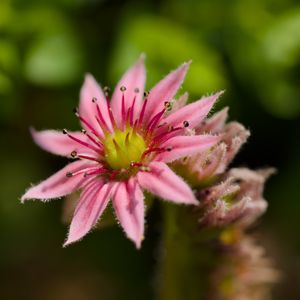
{"x":133,"y":79}
{"x":59,"y":184}
{"x":89,"y":209}
{"x":180,"y":102}
{"x":129,"y":206}
{"x":165,"y":90}
{"x":87,"y":109}
{"x":193,"y":113}
{"x":182,"y":146}
{"x":58,"y":143}
{"x":215,"y":123}
{"x":163,"y":182}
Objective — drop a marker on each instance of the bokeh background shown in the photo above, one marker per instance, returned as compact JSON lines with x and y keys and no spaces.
{"x":250,"y":48}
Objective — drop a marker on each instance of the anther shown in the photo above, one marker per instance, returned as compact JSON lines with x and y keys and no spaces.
{"x":106,"y":89}
{"x":73,"y":154}
{"x":145,"y":168}
{"x":170,"y":127}
{"x":69,"y":174}
{"x":64,"y":131}
{"x":122,"y":88}
{"x":168,"y":105}
{"x":75,"y":111}
{"x":83,"y":131}
{"x":169,"y":148}
{"x":186,"y":124}
{"x":137,"y":90}
{"x":94,"y":99}
{"x":146,"y":94}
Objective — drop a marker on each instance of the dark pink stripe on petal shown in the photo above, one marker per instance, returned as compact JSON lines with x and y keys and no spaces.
{"x":87,"y":108}
{"x":129,"y":206}
{"x":58,"y":143}
{"x":182,"y":146}
{"x":59,"y":184}
{"x":89,"y":209}
{"x":134,"y":82}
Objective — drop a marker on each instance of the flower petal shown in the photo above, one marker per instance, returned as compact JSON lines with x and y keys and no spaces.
{"x":182,"y":146}
{"x":59,"y":184}
{"x":91,"y":205}
{"x":215,"y":123}
{"x":87,"y":109}
{"x":164,"y":91}
{"x":129,"y":206}
{"x":133,"y":80}
{"x":193,"y":113}
{"x":58,"y":143}
{"x":163,"y":182}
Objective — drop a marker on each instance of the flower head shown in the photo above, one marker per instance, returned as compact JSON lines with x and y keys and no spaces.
{"x":202,"y":169}
{"x":238,"y":199}
{"x":124,"y":148}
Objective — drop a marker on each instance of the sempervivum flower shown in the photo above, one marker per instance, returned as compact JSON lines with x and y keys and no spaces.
{"x":238,"y":199}
{"x":204,"y":168}
{"x":123,"y":149}
{"x":245,"y":271}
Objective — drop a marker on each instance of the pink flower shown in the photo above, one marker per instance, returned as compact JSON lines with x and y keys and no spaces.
{"x":206,"y":167}
{"x":124,"y":149}
{"x":236,"y":199}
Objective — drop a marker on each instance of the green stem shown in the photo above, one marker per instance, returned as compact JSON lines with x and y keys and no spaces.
{"x":188,"y":255}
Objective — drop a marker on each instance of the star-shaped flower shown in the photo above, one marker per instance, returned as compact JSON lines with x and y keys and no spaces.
{"x":123,"y":149}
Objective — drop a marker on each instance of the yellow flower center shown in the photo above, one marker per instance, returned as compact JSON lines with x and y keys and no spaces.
{"x":122,"y":148}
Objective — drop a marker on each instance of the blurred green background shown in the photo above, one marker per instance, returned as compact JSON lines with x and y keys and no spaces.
{"x":251,"y":48}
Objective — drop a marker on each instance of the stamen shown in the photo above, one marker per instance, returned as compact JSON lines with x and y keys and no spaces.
{"x":75,"y":111}
{"x":82,"y":171}
{"x":122,"y":88}
{"x":88,"y":157}
{"x":151,"y":150}
{"x":186,"y":124}
{"x":98,"y":144}
{"x":123,"y":111}
{"x":94,"y":99}
{"x":155,"y":120}
{"x":80,"y":141}
{"x":101,"y":121}
{"x":111,"y":116}
{"x":137,"y":90}
{"x":168,"y":105}
{"x":96,"y":172}
{"x":132,"y":111}
{"x":114,"y":174}
{"x":143,"y":111}
{"x":127,"y":139}
{"x":116,"y":145}
{"x":164,"y":136}
{"x":135,"y":164}
{"x":146,"y":94}
{"x":74,"y":154}
{"x":106,"y":90}
{"x":83,"y":120}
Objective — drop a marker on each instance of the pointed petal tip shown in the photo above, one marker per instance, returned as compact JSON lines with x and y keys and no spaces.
{"x":185,"y":65}
{"x":138,"y":242}
{"x":142,"y":57}
{"x":67,"y":243}
{"x":23,"y":198}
